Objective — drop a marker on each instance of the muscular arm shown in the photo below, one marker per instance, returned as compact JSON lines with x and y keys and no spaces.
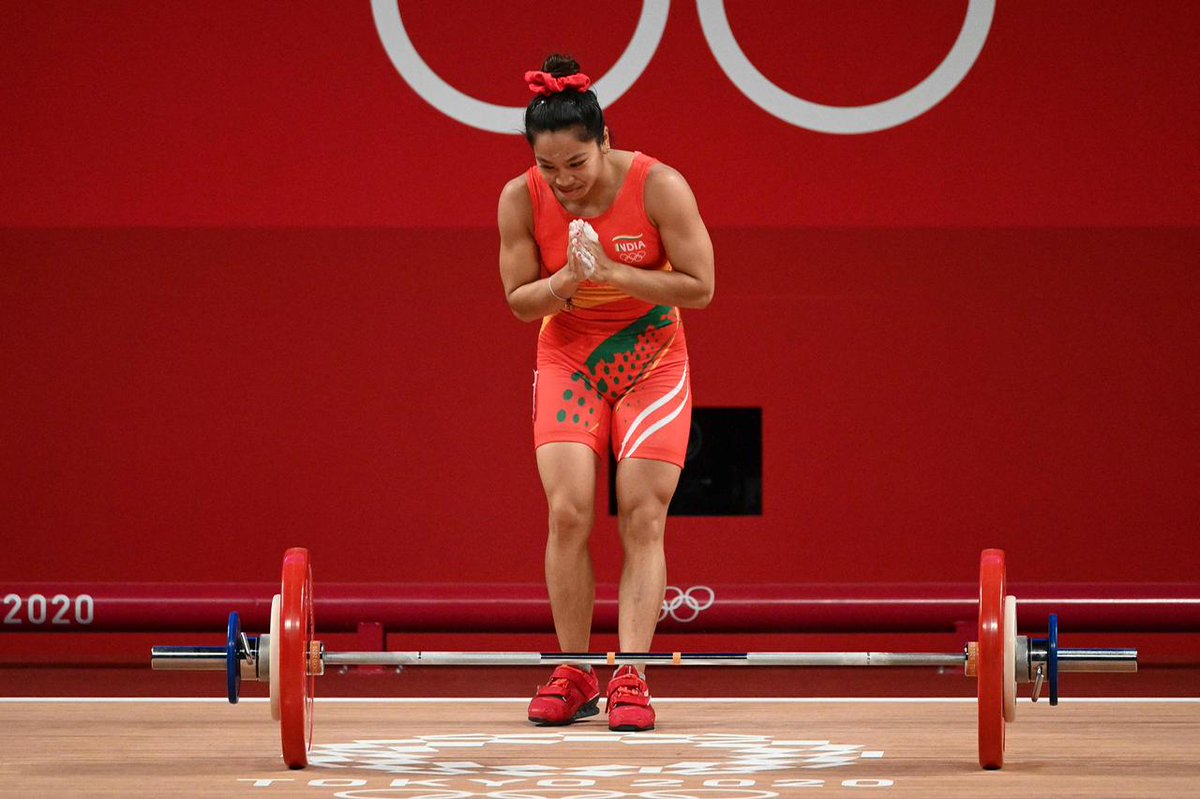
{"x":672,"y":207}
{"x":528,"y":293}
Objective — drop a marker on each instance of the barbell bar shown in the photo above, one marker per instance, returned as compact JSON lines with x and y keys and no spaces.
{"x":290,"y":658}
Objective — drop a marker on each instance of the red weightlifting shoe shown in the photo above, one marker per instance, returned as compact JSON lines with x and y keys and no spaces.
{"x":629,"y":702}
{"x":571,"y":694}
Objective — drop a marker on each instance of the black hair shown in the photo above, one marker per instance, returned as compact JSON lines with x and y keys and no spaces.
{"x":564,"y":109}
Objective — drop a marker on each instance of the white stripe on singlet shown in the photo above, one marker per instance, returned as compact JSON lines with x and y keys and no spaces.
{"x":661,"y":422}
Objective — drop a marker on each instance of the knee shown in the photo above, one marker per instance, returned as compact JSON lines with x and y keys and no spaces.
{"x":570,"y":521}
{"x":643,"y":525}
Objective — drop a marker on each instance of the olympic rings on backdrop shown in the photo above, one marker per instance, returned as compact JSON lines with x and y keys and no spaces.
{"x":694,"y":600}
{"x":847,"y":119}
{"x":729,"y":55}
{"x":509,"y":119}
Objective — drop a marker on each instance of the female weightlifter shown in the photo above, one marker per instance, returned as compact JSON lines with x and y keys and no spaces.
{"x":612,"y":364}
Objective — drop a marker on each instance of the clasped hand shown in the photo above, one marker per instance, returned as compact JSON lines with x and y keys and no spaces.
{"x":586,"y":259}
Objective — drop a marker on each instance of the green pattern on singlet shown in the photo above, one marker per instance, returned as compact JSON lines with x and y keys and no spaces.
{"x":624,"y":356}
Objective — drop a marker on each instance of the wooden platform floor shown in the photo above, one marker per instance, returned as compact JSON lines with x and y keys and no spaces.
{"x":707,"y":749}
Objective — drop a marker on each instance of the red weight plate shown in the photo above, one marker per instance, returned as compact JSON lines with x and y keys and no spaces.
{"x":991,"y":658}
{"x":295,"y":625}
{"x":309,"y":636}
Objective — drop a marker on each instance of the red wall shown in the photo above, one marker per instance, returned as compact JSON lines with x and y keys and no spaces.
{"x":1076,"y":112}
{"x":250,"y":299}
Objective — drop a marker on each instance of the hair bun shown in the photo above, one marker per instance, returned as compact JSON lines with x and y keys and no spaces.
{"x":560,"y":65}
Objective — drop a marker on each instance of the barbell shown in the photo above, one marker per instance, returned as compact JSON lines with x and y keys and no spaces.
{"x":290,"y":658}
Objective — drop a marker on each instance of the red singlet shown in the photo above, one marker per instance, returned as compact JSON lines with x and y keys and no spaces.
{"x":615,"y":368}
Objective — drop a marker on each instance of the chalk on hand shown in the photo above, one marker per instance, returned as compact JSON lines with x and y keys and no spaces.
{"x":582,"y":228}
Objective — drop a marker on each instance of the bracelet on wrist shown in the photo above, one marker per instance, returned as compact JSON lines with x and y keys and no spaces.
{"x":569,"y":305}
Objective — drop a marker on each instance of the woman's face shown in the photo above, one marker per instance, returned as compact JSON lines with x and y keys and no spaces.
{"x":571,"y":167}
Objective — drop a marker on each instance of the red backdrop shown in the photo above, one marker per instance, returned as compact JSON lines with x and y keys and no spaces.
{"x":250,"y":296}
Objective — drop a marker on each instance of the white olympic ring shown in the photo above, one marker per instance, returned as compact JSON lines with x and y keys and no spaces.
{"x":847,"y":119}
{"x":737,"y":67}
{"x":501,"y":118}
{"x":686,"y":599}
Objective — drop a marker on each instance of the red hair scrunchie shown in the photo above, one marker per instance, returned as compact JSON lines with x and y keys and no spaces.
{"x":545,"y":84}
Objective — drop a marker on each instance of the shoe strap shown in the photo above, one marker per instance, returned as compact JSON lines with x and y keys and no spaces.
{"x":564,"y":681}
{"x":628,"y":689}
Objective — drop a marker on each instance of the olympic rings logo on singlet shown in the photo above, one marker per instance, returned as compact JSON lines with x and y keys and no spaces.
{"x":630,"y":248}
{"x":738,"y":68}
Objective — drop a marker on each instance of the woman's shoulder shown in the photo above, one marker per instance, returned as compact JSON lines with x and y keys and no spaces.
{"x":662,"y":173}
{"x":516,"y":203}
{"x":657,"y":172}
{"x":665,"y":186}
{"x":516,"y":191}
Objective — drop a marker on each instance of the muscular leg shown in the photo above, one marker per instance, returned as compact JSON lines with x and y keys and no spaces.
{"x":644,"y":489}
{"x":568,"y":472}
